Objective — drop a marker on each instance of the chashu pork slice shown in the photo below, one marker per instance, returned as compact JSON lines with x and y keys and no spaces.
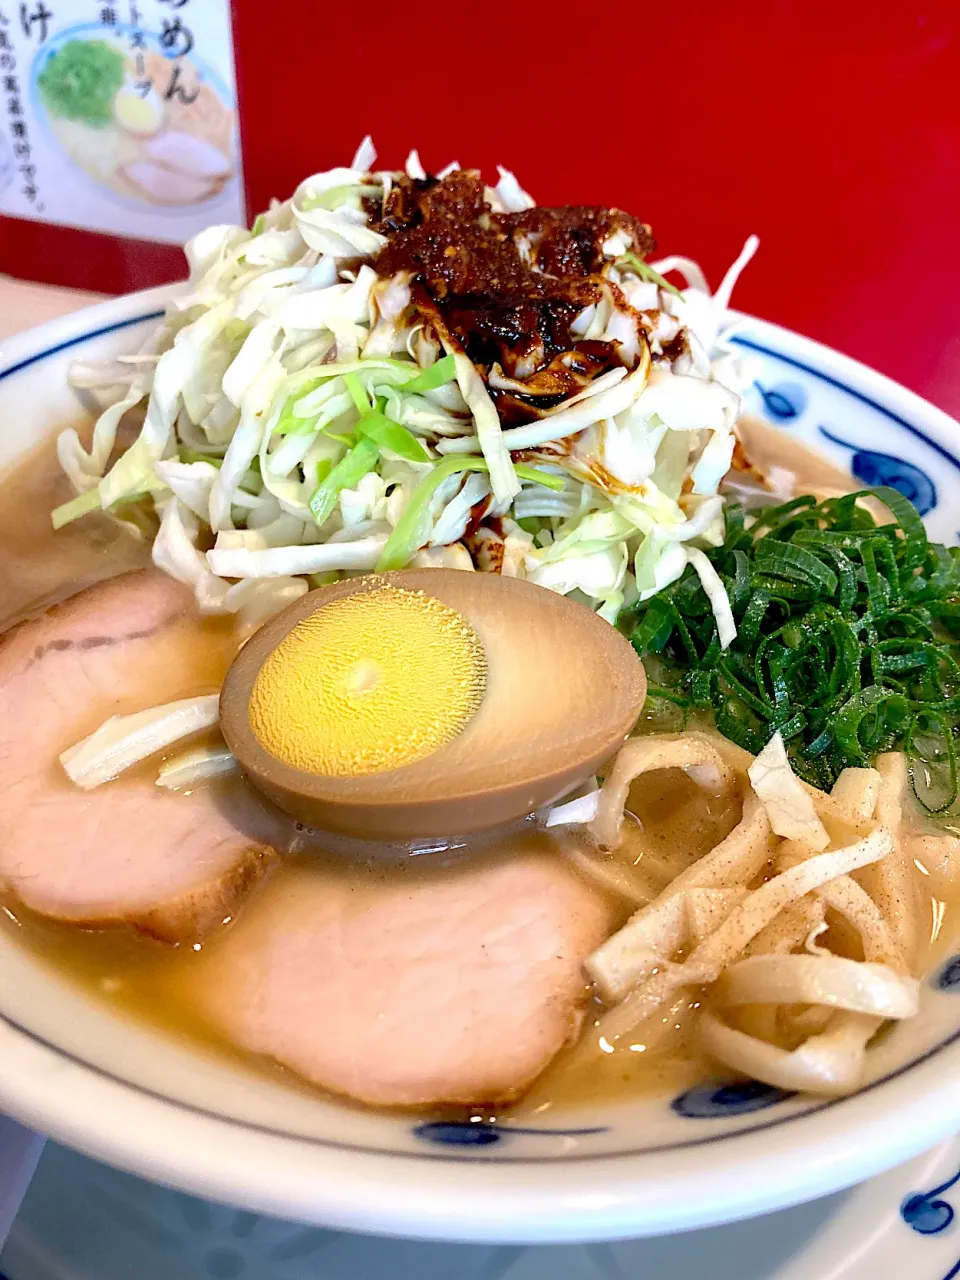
{"x":128,"y":852}
{"x":451,"y":987}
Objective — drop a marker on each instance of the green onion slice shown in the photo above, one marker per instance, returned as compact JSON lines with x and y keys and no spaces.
{"x":848,"y":639}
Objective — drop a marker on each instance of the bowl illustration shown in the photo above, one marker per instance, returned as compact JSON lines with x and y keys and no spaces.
{"x":149,"y":123}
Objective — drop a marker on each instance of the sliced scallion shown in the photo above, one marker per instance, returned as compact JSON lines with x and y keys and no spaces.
{"x":347,"y":474}
{"x":391,"y":435}
{"x":848,"y":639}
{"x":438,"y":375}
{"x":646,"y":272}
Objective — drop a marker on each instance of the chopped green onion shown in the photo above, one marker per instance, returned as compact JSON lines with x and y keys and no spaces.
{"x":413,"y":527}
{"x":391,"y":435}
{"x":235,"y":331}
{"x":533,"y":475}
{"x":289,"y":423}
{"x":194,"y":455}
{"x":333,"y":197}
{"x":357,"y":393}
{"x":85,"y":503}
{"x":79,"y":506}
{"x":259,"y":223}
{"x":347,"y":474}
{"x":933,"y":762}
{"x":646,"y":272}
{"x":848,"y":640}
{"x":444,"y":371}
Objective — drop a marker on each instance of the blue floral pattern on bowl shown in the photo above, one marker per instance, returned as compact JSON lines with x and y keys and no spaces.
{"x":718,"y":1101}
{"x":785,"y":403}
{"x":874,"y":468}
{"x":927,"y":1213}
{"x":947,"y":977}
{"x":782,"y":401}
{"x":484,"y":1133}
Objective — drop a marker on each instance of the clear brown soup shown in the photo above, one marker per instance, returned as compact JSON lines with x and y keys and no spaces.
{"x":151,"y":981}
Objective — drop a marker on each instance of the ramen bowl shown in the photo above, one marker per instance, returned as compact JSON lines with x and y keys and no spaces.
{"x":149,"y":1102}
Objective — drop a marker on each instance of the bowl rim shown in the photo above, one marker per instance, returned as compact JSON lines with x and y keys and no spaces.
{"x":442,"y":1195}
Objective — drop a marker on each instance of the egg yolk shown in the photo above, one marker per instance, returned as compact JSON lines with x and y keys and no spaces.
{"x":369,"y":682}
{"x":139,"y":115}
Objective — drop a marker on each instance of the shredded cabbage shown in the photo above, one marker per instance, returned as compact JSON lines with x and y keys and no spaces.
{"x":123,"y":741}
{"x":575,"y":812}
{"x":191,"y":767}
{"x":300,"y":419}
{"x":789,"y":807}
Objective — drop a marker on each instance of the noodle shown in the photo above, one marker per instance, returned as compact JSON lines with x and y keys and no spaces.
{"x":654,"y":936}
{"x":857,"y":791}
{"x":856,"y":906}
{"x":642,"y":755}
{"x":891,"y":883}
{"x":621,"y":961}
{"x":610,"y":875}
{"x":819,"y":979}
{"x":831,"y":1062}
{"x":789,"y":929}
{"x":737,"y":930}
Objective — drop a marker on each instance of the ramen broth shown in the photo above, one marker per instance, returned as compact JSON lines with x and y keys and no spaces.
{"x":154,"y":982}
{"x":151,"y":981}
{"x":40,"y":565}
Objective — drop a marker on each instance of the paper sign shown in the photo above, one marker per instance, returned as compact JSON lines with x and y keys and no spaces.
{"x":119,"y":117}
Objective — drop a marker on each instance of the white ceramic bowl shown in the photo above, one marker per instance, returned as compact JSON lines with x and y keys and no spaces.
{"x":125,"y":1094}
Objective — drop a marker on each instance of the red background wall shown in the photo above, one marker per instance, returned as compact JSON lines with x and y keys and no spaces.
{"x":830,"y":129}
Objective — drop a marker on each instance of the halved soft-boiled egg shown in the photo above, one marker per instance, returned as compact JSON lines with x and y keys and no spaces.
{"x":140,"y":113}
{"x":428,"y":702}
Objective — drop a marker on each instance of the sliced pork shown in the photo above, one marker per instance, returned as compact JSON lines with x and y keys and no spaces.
{"x":157,"y":183}
{"x":455,"y":987}
{"x":186,"y":153}
{"x":128,"y":852}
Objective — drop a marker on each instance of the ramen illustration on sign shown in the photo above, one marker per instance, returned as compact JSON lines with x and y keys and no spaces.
{"x":141,"y":123}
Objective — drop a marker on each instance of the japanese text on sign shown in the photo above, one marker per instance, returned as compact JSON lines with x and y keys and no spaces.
{"x":119,"y":116}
